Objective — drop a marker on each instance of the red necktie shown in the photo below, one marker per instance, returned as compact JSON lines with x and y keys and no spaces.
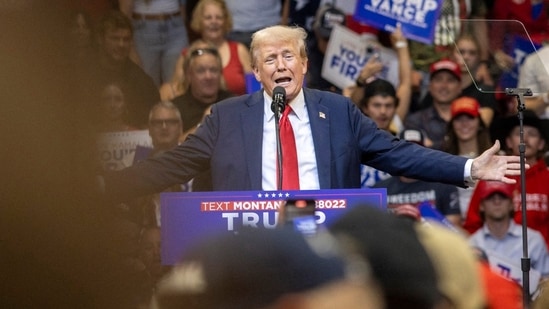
{"x":290,"y":171}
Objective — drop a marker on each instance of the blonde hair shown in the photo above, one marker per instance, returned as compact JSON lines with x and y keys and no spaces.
{"x":198,"y":11}
{"x":278,"y":34}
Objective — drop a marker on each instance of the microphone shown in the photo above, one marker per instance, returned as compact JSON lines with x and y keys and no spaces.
{"x":278,"y":105}
{"x":279,"y":100}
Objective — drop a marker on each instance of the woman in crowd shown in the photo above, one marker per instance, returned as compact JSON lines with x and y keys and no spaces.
{"x":212,"y":20}
{"x":467,"y":136}
{"x":467,"y":53}
{"x":113,"y":109}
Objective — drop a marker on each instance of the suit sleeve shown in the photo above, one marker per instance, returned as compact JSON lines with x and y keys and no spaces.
{"x":385,"y":152}
{"x":176,"y":166}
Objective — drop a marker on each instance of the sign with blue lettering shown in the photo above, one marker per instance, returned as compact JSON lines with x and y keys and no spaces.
{"x":417,"y":17}
{"x":189,"y":217}
{"x":347,"y":53}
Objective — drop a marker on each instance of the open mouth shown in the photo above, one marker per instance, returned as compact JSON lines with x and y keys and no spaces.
{"x":283,"y":80}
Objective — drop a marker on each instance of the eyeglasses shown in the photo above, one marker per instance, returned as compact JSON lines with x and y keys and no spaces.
{"x":203,"y":51}
{"x":160,"y":123}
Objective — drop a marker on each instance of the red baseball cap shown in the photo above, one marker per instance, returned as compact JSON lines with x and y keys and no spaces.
{"x":445,"y":65}
{"x":487,"y":188}
{"x":465,"y":105}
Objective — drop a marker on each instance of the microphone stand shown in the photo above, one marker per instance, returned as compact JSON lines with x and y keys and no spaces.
{"x":525,"y":261}
{"x":277,"y":110}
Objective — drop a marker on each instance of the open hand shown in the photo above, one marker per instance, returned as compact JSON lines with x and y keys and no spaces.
{"x":490,"y":166}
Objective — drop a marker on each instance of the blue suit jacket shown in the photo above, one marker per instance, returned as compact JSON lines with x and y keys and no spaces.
{"x":230,"y":142}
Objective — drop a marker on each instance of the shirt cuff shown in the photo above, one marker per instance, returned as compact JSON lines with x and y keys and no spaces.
{"x":468,"y":179}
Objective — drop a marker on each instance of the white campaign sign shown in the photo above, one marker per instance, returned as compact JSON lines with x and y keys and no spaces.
{"x":344,"y":58}
{"x":116,"y":149}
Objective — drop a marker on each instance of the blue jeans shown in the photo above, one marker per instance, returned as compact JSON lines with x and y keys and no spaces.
{"x":159,"y":43}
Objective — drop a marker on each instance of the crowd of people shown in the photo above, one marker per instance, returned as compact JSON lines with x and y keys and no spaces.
{"x":438,"y":131}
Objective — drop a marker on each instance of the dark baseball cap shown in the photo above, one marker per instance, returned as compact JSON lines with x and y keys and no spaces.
{"x":326,"y":17}
{"x":414,"y":136}
{"x":250,"y":269}
{"x":397,"y":258}
{"x":502,"y":127}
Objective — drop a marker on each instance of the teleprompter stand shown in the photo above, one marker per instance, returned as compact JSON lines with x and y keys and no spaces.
{"x":520,"y":93}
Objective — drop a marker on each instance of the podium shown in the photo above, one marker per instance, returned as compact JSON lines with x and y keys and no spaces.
{"x":190,"y":217}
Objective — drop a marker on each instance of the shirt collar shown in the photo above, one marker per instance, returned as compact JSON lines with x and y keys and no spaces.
{"x":514,"y":229}
{"x":297,"y":104}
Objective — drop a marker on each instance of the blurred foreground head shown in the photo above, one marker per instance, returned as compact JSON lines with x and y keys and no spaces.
{"x":458,"y":272}
{"x":265,"y":268}
{"x":398,"y":260}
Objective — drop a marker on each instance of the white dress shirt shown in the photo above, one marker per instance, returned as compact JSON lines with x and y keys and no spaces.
{"x":306,"y":159}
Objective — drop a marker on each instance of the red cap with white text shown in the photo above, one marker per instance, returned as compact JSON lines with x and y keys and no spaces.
{"x":445,"y":65}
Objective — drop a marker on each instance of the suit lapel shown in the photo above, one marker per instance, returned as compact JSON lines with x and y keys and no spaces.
{"x":252,"y":132}
{"x":319,"y":117}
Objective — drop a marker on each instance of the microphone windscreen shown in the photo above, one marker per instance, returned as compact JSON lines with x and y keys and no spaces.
{"x":279,"y":93}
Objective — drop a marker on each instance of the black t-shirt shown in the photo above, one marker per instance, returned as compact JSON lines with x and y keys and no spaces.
{"x":443,"y":196}
{"x":192,"y":110}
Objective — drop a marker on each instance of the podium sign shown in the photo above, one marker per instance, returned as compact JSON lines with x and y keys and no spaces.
{"x":189,"y":217}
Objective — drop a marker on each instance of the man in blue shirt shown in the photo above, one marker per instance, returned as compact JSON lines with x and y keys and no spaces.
{"x":500,"y":237}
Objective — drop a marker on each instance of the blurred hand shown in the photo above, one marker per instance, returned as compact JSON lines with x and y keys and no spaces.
{"x":397,"y":35}
{"x":503,"y":60}
{"x":483,"y":75}
{"x":409,"y":211}
{"x":372,"y":67}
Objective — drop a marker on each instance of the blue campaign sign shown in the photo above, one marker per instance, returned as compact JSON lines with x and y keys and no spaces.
{"x":252,"y":85}
{"x":189,"y":217}
{"x":417,"y":17}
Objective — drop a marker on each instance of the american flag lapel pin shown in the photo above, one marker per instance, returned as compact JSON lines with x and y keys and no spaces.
{"x":322,"y":115}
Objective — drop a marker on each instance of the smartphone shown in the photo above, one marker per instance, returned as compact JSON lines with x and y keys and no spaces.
{"x":300,"y":215}
{"x":372,"y":51}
